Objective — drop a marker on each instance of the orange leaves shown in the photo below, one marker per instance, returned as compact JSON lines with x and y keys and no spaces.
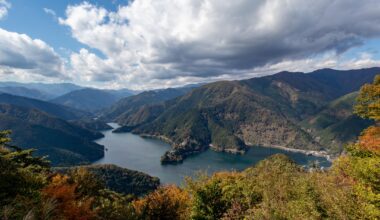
{"x":370,"y":140}
{"x":69,"y":205}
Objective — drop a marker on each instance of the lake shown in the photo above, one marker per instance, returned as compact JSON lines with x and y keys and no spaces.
{"x":143,"y":154}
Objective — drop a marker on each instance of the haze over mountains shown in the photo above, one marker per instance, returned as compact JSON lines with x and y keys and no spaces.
{"x":43,"y":90}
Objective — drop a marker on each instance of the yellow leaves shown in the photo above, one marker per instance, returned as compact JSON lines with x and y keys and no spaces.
{"x":168,"y":202}
{"x":58,"y":180}
{"x":360,"y":169}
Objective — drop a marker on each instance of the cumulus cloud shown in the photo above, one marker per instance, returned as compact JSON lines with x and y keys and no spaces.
{"x":21,"y":55}
{"x":4,"y":7}
{"x":150,"y":42}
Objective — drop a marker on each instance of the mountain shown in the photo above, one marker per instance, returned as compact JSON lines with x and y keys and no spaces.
{"x":122,"y":93}
{"x":63,"y":142}
{"x":336,"y":124}
{"x":88,"y":99}
{"x":52,"y":89}
{"x":232,"y":115}
{"x":91,"y":124}
{"x":121,"y":109}
{"x":50,"y":108}
{"x":22,"y":91}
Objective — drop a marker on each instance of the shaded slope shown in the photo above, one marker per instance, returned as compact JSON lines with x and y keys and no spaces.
{"x":50,"y":108}
{"x":336,"y":124}
{"x":66,"y":144}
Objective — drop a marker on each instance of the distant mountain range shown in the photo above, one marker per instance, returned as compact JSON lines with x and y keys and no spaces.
{"x":43,"y":91}
{"x":90,"y":99}
{"x":22,"y":91}
{"x":230,"y":116}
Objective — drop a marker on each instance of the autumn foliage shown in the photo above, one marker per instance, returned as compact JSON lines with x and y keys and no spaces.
{"x":168,"y":202}
{"x":275,"y":188}
{"x":70,"y":205}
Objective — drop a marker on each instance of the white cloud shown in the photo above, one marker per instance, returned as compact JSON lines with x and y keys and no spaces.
{"x":25,"y":57}
{"x":4,"y":7}
{"x":150,"y":42}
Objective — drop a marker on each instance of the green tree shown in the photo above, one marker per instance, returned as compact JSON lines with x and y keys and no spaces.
{"x":21,"y":177}
{"x":209,"y":201}
{"x":368,"y":100}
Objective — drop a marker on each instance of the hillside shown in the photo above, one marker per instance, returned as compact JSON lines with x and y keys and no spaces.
{"x":64,"y":143}
{"x":335,"y":124}
{"x":274,"y":188}
{"x":129,"y":105}
{"x":87,"y":99}
{"x":230,"y":116}
{"x":50,"y":108}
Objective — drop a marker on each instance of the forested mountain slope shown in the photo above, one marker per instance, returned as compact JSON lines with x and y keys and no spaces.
{"x":231,"y":115}
{"x":63,"y":142}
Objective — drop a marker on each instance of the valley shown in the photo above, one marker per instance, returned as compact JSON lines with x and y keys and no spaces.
{"x":131,"y":151}
{"x":308,"y":113}
{"x":189,"y":110}
{"x":230,"y":116}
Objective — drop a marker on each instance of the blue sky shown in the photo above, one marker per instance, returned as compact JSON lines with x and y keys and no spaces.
{"x":29,"y":17}
{"x":155,"y":44}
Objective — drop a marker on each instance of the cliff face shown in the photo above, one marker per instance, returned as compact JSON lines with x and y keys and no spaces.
{"x":231,"y":116}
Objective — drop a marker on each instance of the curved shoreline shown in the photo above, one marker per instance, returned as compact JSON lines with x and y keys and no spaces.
{"x":307,"y":152}
{"x":315,"y":153}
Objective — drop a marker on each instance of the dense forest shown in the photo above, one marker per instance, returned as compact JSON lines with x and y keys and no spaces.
{"x":276,"y":188}
{"x":295,"y":110}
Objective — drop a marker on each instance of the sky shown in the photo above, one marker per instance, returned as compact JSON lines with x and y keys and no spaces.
{"x":148,"y":44}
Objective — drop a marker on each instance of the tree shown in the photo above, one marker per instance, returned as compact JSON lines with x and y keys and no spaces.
{"x":209,"y":201}
{"x":368,"y":100}
{"x":168,"y":202}
{"x":22,"y":176}
{"x":361,"y":165}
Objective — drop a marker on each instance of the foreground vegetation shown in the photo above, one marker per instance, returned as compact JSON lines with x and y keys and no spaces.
{"x":275,"y":188}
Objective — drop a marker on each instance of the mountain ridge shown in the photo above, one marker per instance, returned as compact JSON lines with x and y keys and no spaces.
{"x":232,"y":115}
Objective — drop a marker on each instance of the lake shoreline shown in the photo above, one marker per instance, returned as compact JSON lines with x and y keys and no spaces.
{"x":315,"y":153}
{"x":135,"y":152}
